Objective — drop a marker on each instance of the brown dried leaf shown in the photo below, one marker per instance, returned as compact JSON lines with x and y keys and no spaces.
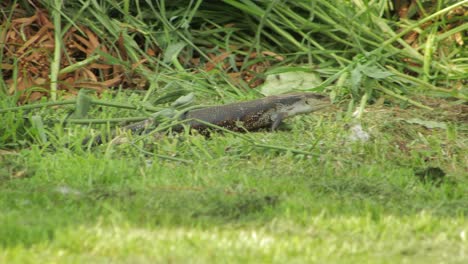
{"x":86,"y":46}
{"x":88,"y":75}
{"x":34,"y":96}
{"x":33,"y":39}
{"x":215,"y":60}
{"x":411,"y":37}
{"x":74,"y":44}
{"x":6,"y":66}
{"x":112,"y":82}
{"x":100,"y":66}
{"x":93,"y":40}
{"x":273,"y":54}
{"x":25,"y":21}
{"x":234,"y":75}
{"x":122,"y":49}
{"x":90,"y":85}
{"x":151,"y":52}
{"x":43,"y":18}
{"x":267,"y":53}
{"x":458,"y":37}
{"x":117,"y":71}
{"x":195,"y":61}
{"x":138,"y":63}
{"x":23,"y":82}
{"x":40,"y":81}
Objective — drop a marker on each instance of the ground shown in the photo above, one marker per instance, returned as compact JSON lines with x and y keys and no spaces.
{"x":306,"y":193}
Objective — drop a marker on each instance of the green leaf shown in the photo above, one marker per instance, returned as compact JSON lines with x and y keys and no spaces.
{"x":290,"y":81}
{"x":83,"y":104}
{"x":37,"y":123}
{"x":279,"y":70}
{"x":173,"y":51}
{"x":426,"y":123}
{"x":375,"y":72}
{"x":356,"y":77}
{"x":183,"y":100}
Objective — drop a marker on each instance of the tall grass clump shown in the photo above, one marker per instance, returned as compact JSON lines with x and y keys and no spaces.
{"x":357,"y":47}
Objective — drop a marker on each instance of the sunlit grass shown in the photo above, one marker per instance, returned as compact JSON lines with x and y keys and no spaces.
{"x":320,"y":238}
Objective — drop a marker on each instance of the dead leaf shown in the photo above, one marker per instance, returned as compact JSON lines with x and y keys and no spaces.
{"x":25,"y":21}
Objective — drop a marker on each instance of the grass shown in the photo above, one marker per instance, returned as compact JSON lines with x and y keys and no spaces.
{"x":355,"y":201}
{"x":306,"y":193}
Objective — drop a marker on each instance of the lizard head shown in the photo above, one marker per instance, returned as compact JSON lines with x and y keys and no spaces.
{"x":300,"y":103}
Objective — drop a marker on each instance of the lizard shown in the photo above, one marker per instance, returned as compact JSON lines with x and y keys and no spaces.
{"x":244,"y":116}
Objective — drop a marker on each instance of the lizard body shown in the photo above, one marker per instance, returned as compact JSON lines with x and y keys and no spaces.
{"x":252,"y":115}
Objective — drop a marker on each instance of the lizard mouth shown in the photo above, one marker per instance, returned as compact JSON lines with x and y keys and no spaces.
{"x":304,"y":106}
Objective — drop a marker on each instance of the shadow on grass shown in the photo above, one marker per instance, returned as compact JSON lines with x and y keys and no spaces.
{"x":33,"y":216}
{"x":90,"y":190}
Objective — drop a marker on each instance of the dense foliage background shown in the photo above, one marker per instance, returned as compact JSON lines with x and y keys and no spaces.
{"x":395,"y":48}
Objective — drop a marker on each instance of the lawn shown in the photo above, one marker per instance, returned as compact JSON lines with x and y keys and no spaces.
{"x":348,"y":201}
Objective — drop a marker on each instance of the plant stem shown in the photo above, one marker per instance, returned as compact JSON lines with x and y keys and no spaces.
{"x":107,"y":120}
{"x":55,"y":65}
{"x":33,"y":106}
